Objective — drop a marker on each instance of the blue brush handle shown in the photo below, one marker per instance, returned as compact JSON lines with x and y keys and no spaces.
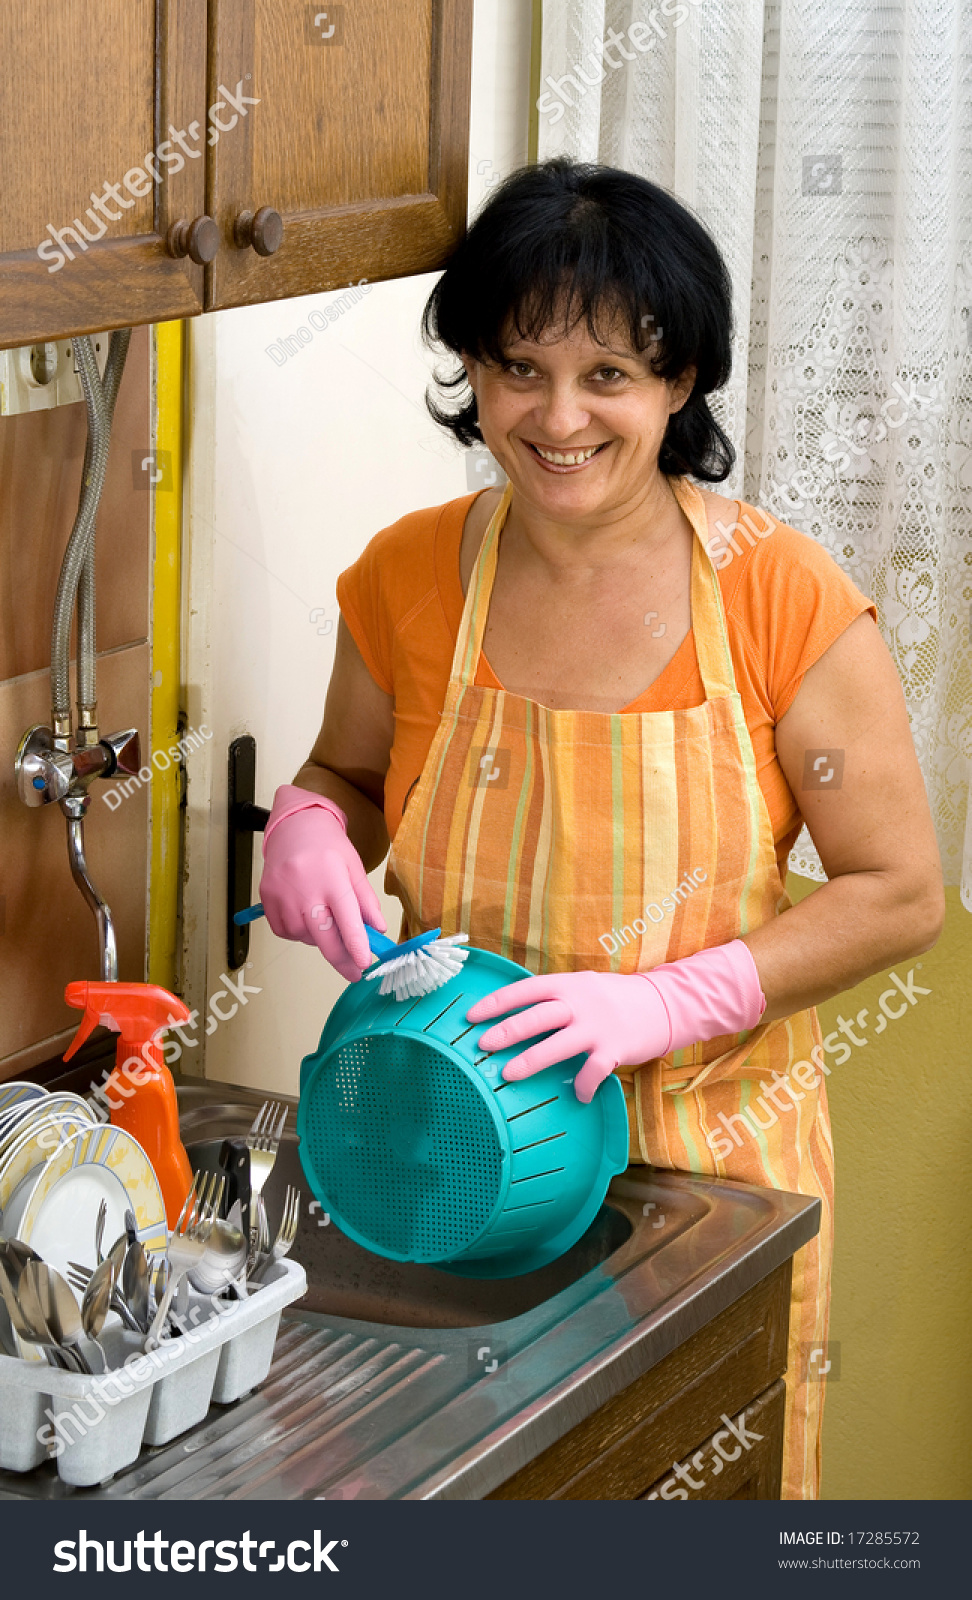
{"x":380,"y":944}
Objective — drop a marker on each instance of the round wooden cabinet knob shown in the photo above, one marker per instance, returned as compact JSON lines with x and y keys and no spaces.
{"x":262,"y":229}
{"x":199,"y":240}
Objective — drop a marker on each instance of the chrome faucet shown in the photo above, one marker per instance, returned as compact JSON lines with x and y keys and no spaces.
{"x":48,"y":774}
{"x":50,"y":768}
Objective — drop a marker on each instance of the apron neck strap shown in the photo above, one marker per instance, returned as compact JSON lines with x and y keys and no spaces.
{"x":472,"y":628}
{"x":708,"y":615}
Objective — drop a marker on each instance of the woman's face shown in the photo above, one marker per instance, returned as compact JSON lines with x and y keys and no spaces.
{"x":576,"y":425}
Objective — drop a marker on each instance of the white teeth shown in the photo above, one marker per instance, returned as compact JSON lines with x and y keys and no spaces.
{"x":567,"y":460}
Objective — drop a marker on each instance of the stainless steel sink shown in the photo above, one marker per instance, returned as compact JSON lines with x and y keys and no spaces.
{"x":400,"y":1382}
{"x":345,"y":1280}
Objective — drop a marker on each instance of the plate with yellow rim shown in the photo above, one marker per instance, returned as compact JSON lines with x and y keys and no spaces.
{"x":13,"y":1093}
{"x":54,"y":1209}
{"x":32,"y":1137}
{"x":38,"y":1106}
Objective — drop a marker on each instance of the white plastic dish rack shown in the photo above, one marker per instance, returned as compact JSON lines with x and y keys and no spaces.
{"x":95,"y":1426}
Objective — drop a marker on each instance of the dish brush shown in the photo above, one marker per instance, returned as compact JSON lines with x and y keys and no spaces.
{"x":410,"y":970}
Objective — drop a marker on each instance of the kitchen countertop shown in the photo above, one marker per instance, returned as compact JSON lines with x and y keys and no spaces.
{"x":364,"y":1409}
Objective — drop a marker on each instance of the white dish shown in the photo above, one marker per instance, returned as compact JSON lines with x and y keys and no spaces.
{"x":34,"y":1142}
{"x":55,"y":1213}
{"x":13,"y":1093}
{"x":18,"y":1117}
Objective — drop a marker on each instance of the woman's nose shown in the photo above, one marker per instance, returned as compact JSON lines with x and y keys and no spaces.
{"x":562,"y":412}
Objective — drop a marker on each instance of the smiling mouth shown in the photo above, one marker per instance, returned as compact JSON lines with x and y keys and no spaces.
{"x":578,"y":457}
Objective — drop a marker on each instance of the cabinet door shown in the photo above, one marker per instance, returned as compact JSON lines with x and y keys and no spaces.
{"x":89,"y":90}
{"x":358,"y":140}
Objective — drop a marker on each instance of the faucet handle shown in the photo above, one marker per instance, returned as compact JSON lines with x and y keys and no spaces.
{"x":126,"y":752}
{"x":44,"y":773}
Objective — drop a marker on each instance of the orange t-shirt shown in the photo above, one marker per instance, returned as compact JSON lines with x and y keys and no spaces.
{"x":786,"y":601}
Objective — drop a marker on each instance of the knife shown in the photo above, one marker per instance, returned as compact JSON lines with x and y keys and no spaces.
{"x":234,"y":1160}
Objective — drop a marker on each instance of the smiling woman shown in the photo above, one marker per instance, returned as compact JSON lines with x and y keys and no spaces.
{"x":615,"y":255}
{"x":547,"y":765}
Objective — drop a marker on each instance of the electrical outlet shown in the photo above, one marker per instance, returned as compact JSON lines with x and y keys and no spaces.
{"x":39,"y":376}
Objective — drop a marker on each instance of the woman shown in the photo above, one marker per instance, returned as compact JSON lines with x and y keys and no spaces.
{"x":591,"y":712}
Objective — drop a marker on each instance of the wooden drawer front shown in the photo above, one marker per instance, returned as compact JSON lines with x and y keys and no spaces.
{"x":757,"y":1467}
{"x":627,"y":1446}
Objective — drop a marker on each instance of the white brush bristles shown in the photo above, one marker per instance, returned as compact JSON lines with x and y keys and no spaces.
{"x":420,"y":972}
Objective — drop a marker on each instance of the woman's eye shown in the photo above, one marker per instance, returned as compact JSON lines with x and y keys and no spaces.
{"x":609,"y":374}
{"x":520,"y":369}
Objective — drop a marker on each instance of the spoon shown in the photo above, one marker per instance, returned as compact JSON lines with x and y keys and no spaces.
{"x":226,"y":1253}
{"x":16,"y":1255}
{"x":12,"y":1306}
{"x":28,"y":1294}
{"x":96,"y":1301}
{"x":135,"y":1283}
{"x":64,"y":1318}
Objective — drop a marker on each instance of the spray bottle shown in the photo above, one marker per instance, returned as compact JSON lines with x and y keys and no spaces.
{"x":140,"y":1090}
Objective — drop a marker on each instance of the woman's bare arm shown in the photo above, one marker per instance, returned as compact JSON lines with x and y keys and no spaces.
{"x":871,"y":825}
{"x":350,"y":758}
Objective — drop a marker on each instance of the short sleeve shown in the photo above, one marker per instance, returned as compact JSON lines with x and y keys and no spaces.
{"x":359,"y":597}
{"x":793,"y":601}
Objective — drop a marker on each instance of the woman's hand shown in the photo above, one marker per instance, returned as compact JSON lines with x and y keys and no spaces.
{"x":623,"y":1020}
{"x":618,"y":1020}
{"x":314,"y":886}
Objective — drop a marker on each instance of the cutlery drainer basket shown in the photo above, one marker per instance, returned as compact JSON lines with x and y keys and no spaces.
{"x":95,"y":1426}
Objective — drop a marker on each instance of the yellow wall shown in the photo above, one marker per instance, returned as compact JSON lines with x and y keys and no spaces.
{"x":898,"y":1421}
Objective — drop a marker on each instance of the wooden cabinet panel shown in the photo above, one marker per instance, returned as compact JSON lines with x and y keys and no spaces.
{"x":621,"y":1451}
{"x":359,"y":141}
{"x":754,"y":1474}
{"x":90,"y":91}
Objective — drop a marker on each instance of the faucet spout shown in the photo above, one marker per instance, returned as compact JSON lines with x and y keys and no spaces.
{"x":74,"y":809}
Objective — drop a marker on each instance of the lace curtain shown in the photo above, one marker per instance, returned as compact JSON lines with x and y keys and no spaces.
{"x":828,"y":149}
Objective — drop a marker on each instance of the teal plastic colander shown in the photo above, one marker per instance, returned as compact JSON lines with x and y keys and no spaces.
{"x":419,"y":1151}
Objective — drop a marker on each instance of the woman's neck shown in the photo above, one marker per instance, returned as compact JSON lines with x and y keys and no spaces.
{"x":641,"y":525}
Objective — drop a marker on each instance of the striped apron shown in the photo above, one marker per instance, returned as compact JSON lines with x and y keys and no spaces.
{"x":578,"y":840}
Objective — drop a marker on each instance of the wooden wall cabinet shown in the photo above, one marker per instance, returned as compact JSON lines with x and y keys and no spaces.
{"x":300,"y":148}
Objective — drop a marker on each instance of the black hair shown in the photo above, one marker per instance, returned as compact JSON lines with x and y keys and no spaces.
{"x":578,"y":242}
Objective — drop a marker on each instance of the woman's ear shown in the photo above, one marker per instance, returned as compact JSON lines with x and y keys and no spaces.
{"x":472,"y":370}
{"x":680,"y":389}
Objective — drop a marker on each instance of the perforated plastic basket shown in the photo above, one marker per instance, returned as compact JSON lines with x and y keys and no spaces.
{"x":419,"y":1151}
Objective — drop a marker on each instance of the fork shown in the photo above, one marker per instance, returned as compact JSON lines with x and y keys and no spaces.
{"x":286,"y":1234}
{"x":187,"y":1245}
{"x":263,"y":1142}
{"x":100,"y":1231}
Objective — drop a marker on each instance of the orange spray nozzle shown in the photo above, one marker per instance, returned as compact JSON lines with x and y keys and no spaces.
{"x":138,"y":1011}
{"x":143,"y":1100}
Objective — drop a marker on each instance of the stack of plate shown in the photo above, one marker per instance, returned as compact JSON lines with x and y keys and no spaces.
{"x":57,"y":1164}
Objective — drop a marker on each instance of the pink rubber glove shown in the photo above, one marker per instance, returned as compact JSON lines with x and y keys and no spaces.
{"x":622,"y":1020}
{"x":314,"y":886}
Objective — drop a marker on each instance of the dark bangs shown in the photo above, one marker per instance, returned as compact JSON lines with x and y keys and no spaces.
{"x":562,"y":243}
